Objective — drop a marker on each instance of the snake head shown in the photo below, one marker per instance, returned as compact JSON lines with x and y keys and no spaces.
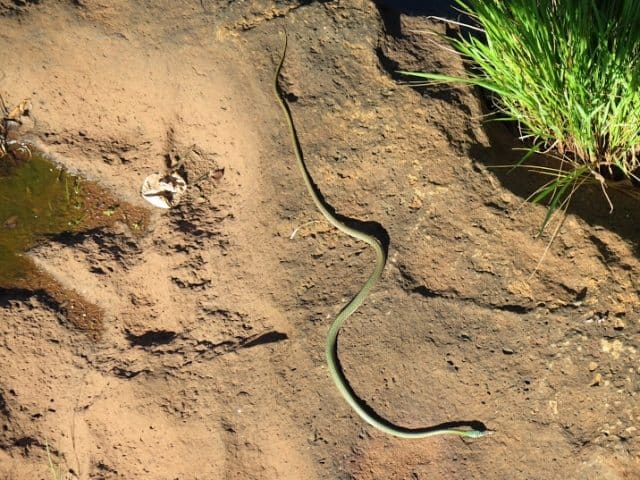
{"x":478,"y":433}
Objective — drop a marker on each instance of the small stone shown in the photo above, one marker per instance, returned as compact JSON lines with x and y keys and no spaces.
{"x":618,"y":324}
{"x":507,"y":351}
{"x":597,"y":379}
{"x":592,"y":366}
{"x":416,"y":203}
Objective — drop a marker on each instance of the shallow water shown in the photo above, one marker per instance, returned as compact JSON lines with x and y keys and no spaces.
{"x":37,"y":199}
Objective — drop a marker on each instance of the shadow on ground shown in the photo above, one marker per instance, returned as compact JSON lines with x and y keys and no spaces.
{"x":589,"y":202}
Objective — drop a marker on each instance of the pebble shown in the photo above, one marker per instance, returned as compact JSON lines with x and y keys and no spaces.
{"x":592,"y":366}
{"x":416,"y":203}
{"x":596,"y":380}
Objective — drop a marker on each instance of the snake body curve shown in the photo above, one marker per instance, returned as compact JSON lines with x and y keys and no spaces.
{"x":335,"y":369}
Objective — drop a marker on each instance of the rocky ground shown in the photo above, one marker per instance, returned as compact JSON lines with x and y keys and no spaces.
{"x":209,"y":362}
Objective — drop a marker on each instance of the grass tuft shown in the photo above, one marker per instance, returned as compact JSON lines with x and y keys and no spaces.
{"x":568,"y":72}
{"x":55,"y":470}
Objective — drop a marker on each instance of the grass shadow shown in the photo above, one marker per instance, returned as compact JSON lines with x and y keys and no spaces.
{"x":589,"y":202}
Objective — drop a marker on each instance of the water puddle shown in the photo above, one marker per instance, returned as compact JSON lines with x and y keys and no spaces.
{"x":39,"y":201}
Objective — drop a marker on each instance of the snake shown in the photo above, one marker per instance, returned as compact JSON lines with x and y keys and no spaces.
{"x":331,"y":350}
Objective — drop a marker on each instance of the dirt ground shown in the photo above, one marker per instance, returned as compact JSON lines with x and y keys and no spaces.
{"x":210,"y":360}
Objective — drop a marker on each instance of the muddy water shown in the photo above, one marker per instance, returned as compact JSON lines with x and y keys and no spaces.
{"x":37,"y":199}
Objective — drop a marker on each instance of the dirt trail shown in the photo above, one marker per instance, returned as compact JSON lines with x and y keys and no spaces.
{"x":211,"y":360}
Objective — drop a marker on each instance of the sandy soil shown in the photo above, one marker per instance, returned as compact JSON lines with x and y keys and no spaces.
{"x":210,"y":359}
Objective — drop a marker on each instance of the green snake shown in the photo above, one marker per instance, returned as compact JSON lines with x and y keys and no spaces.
{"x":331,"y":351}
